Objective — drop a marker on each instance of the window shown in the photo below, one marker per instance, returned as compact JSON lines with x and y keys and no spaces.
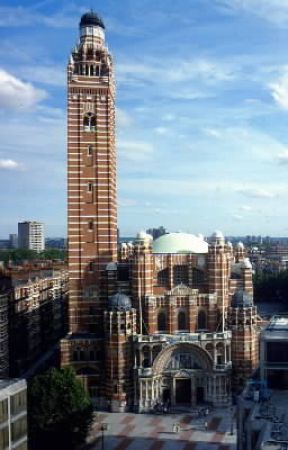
{"x":90,"y":225}
{"x":202,"y":325}
{"x":3,"y":411}
{"x":90,"y":150}
{"x":163,"y":278}
{"x":180,"y":275}
{"x":90,"y":186}
{"x":161,"y":321}
{"x":90,"y":266}
{"x":182,"y":323}
{"x":89,"y":122}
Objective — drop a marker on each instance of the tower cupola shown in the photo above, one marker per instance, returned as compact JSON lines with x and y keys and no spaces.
{"x":92,"y":25}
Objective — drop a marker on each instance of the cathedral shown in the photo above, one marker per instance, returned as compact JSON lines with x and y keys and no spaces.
{"x":169,"y":321}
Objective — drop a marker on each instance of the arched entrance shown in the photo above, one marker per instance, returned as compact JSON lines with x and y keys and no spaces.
{"x":185,"y":369}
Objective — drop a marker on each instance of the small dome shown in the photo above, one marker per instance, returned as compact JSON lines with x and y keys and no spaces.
{"x":240,"y":246}
{"x":229,"y":244}
{"x":119,"y":302}
{"x":217,"y":235}
{"x":242,"y":299}
{"x":143,"y":236}
{"x":179,"y":243}
{"x":247,"y":263}
{"x":91,"y":19}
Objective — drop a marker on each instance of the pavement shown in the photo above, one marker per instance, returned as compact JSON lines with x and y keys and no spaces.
{"x":159,"y":432}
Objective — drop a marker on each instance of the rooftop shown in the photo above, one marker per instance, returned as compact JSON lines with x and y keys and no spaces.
{"x":277,"y":328}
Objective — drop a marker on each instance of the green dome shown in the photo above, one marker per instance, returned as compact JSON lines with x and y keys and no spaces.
{"x":180,"y":243}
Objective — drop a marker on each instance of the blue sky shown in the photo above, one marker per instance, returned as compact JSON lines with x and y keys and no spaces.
{"x":202,"y":101}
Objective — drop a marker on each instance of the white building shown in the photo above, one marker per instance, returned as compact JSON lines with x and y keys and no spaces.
{"x":31,"y":236}
{"x":13,"y":414}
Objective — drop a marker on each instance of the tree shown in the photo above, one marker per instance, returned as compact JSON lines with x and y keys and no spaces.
{"x":59,"y":410}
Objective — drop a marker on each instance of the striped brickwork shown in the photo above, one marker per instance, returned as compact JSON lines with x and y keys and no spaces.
{"x":92,"y":211}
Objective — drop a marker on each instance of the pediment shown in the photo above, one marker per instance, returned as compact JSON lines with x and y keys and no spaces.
{"x":183,"y":374}
{"x":182,"y":289}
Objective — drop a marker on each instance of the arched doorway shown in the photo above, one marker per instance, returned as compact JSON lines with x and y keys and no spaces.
{"x":185,"y":367}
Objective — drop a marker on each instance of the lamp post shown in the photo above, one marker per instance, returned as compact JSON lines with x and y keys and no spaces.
{"x":104,"y":427}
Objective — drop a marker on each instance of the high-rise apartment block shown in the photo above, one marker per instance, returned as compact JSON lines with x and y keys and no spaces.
{"x":31,"y":236}
{"x":162,"y":321}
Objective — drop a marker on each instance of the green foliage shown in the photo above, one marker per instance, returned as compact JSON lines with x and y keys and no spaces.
{"x":59,"y":411}
{"x":271,"y":286}
{"x":20,"y":254}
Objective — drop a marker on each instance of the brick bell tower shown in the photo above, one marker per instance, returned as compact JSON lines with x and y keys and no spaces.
{"x":92,"y":210}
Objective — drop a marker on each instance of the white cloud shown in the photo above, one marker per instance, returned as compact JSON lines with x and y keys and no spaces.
{"x":237,"y":217}
{"x":136,"y":151}
{"x":211,"y":132}
{"x":246,"y":208}
{"x":275,"y":11}
{"x":279,"y":90}
{"x":175,"y":71}
{"x":168,"y":117}
{"x":161,"y":130}
{"x":282,"y":158}
{"x":256,"y":193}
{"x":9,"y":164}
{"x":15,"y":94}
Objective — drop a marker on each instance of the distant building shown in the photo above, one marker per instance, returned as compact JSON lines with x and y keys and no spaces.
{"x":13,"y":415}
{"x":59,"y":243}
{"x":31,"y":236}
{"x":157,"y":232}
{"x":262,"y":417}
{"x":13,"y":241}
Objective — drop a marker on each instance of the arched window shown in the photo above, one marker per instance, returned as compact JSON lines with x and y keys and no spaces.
{"x":198,"y":278}
{"x":202,"y":323}
{"x":180,"y":275}
{"x":89,"y":122}
{"x":163,"y":278}
{"x":90,"y":150}
{"x":90,"y":225}
{"x":182,"y":322}
{"x":162,"y":321}
{"x":104,"y":71}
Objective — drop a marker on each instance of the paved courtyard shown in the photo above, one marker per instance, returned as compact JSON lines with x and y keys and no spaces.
{"x":158,"y":432}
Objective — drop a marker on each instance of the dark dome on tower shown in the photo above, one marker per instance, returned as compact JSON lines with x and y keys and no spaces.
{"x":242,"y":299}
{"x":90,"y":19}
{"x":119,"y":302}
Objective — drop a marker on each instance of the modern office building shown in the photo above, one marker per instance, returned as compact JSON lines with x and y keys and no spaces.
{"x":162,"y":321}
{"x":13,"y":240}
{"x":31,"y":236}
{"x":13,"y":415}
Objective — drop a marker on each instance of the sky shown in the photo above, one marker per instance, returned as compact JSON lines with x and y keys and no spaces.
{"x":202,"y":113}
